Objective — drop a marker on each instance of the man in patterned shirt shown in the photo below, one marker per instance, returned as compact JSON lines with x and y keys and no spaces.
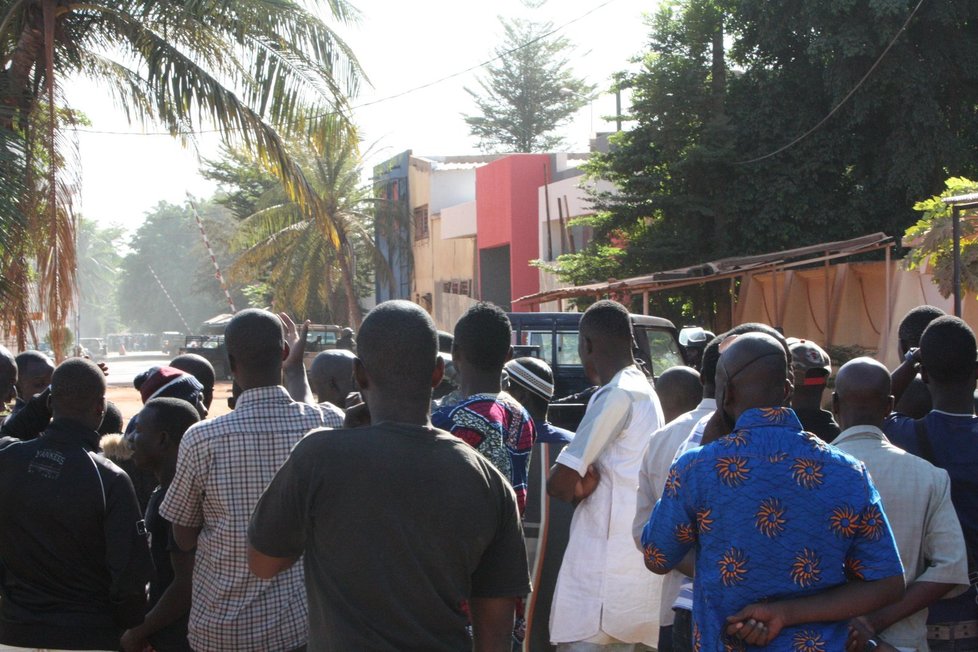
{"x":789,"y":535}
{"x":488,"y":419}
{"x":223,"y":466}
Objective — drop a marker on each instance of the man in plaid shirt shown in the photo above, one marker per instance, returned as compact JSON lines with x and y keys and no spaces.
{"x":222,"y":468}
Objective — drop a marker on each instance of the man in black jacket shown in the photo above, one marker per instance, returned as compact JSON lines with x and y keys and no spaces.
{"x":74,"y":560}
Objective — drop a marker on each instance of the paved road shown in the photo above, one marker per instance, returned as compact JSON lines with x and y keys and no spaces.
{"x":122,"y":369}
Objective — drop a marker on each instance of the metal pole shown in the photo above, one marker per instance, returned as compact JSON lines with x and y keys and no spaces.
{"x":546,"y":201}
{"x":617,"y":109}
{"x":210,"y":252}
{"x":956,"y":226}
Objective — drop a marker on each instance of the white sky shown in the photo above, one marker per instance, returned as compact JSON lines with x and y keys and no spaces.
{"x":400,"y":45}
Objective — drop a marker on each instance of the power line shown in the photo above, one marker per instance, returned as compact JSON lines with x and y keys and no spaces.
{"x":394,"y":96}
{"x":844,"y":99}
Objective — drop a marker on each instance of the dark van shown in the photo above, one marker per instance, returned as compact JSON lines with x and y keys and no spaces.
{"x":552,"y":336}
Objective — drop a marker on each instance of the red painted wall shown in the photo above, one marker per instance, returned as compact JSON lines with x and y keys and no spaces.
{"x":506,"y":204}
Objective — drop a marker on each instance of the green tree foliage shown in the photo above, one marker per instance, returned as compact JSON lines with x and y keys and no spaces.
{"x":932,"y":239}
{"x":99,"y":262}
{"x":316,"y":266}
{"x":726,"y":82}
{"x":243,"y":184}
{"x":252,"y":68}
{"x":528,"y":92}
{"x":169,"y":243}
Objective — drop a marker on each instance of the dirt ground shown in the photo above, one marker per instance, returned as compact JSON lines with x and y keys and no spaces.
{"x":127,"y":399}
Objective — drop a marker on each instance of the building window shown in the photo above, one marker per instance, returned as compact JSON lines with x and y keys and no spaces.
{"x":421,"y":222}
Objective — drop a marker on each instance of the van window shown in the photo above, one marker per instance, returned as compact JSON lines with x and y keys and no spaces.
{"x":663,"y":349}
{"x":541,"y":339}
{"x":567,"y":355}
{"x":320,"y":340}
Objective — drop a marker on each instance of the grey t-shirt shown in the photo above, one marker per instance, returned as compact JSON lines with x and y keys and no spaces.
{"x":400,"y":526}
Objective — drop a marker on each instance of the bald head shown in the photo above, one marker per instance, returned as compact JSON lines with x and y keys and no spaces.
{"x":397,"y":347}
{"x":255,"y":342}
{"x":862,"y":393}
{"x":752,"y":373}
{"x":8,"y":376}
{"x":331,"y":376}
{"x":78,"y":392}
{"x":679,"y":391}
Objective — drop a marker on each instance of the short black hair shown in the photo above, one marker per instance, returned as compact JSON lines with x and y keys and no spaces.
{"x":948,"y":351}
{"x":200,"y":368}
{"x":398,"y":347}
{"x":914,"y":323}
{"x":197,"y":366}
{"x":484,"y":336}
{"x":77,"y":384}
{"x":708,"y":363}
{"x":111,"y":420}
{"x":610,"y":319}
{"x":255,"y":339}
{"x":27,"y":361}
{"x":174,"y":415}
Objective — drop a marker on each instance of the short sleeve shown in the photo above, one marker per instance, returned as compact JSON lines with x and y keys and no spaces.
{"x":873,"y":554}
{"x":502,"y":570}
{"x":278,"y":524}
{"x":603,"y":422}
{"x":184,"y":501}
{"x":901,"y":431}
{"x":672,"y":529}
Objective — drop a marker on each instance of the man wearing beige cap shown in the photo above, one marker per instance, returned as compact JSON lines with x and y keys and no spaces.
{"x":811,"y":367}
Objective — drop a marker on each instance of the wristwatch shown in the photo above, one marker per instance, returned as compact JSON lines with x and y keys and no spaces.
{"x":911,"y":355}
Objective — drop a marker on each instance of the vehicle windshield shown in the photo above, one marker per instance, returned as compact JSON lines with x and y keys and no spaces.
{"x":662,"y":349}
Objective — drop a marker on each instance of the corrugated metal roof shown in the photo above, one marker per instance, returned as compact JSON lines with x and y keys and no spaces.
{"x":718,"y":269}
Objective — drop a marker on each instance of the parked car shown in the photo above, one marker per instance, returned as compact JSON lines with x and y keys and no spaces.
{"x":210,"y":347}
{"x":320,"y":338}
{"x":553,"y":337}
{"x":170,"y":342}
{"x":94,"y":347}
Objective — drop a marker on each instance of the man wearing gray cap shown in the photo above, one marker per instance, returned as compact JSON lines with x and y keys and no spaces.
{"x":811,"y":367}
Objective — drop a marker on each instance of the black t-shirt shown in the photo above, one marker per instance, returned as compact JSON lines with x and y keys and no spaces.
{"x":819,"y":422}
{"x":173,"y":637}
{"x":400,"y":525}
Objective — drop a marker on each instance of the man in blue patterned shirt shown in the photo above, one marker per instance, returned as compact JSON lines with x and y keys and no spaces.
{"x":789,"y":535}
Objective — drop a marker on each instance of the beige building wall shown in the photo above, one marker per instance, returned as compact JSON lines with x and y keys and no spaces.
{"x":849,"y":304}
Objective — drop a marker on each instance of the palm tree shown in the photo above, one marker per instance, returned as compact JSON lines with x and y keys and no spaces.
{"x":311,"y":261}
{"x":252,"y":68}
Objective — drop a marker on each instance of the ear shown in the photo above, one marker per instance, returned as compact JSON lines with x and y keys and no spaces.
{"x":889,"y":404}
{"x":509,"y":354}
{"x":438,"y":373}
{"x":923,"y":373}
{"x":789,"y":391}
{"x":360,"y":374}
{"x":835,"y":405}
{"x":285,"y":351}
{"x":232,"y":364}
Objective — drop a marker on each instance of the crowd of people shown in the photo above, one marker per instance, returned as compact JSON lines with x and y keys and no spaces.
{"x":346,"y":509}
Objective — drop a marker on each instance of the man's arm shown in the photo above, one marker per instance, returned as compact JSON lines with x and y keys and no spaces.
{"x":293,"y":368}
{"x":186,"y":537}
{"x":919,"y":595}
{"x":565,"y":484}
{"x":903,"y":375}
{"x":492,"y":624}
{"x":760,"y":623}
{"x":172,"y":605}
{"x":572,"y":478}
{"x":265,"y":566}
{"x":126,"y":549}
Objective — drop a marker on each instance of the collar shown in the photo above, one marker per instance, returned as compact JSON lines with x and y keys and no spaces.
{"x":955,"y":414}
{"x":707,"y":404}
{"x":860,"y":432}
{"x":69,"y":431}
{"x":261,"y":395}
{"x":780,"y":417}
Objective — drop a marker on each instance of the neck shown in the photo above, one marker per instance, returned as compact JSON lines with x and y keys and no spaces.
{"x":805,"y":400}
{"x":958,"y":400}
{"x":411,"y":410}
{"x":164,"y":474}
{"x":475,"y":381}
{"x":608,"y":368}
{"x":254,"y":380}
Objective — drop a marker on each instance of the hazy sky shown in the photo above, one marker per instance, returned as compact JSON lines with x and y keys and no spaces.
{"x":400,"y":45}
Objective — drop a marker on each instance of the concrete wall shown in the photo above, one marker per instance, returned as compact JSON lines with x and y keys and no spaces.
{"x":506,"y":196}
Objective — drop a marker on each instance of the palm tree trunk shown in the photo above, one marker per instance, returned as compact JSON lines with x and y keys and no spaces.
{"x":352,"y":299}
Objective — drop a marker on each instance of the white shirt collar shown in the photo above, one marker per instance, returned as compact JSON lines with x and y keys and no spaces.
{"x":860,"y":432}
